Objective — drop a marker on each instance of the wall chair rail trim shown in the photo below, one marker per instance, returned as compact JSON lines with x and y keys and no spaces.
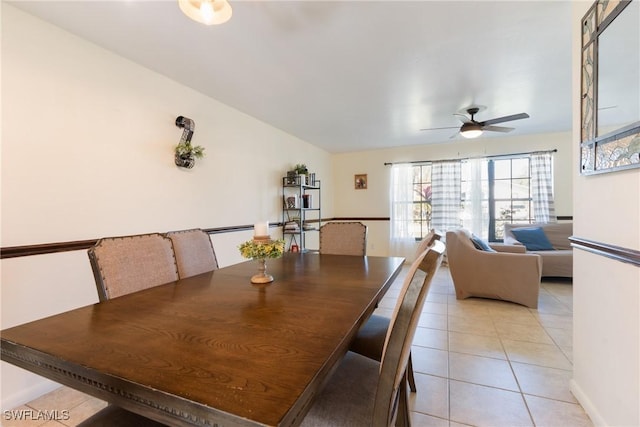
{"x":50,"y":248}
{"x":626,"y":255}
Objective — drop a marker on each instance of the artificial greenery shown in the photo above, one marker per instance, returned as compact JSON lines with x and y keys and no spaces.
{"x":186,"y":149}
{"x":301,"y":169}
{"x":256,"y":249}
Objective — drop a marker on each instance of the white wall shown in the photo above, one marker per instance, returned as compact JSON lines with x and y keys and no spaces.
{"x":606,"y":293}
{"x":87,"y":151}
{"x":374,"y":202}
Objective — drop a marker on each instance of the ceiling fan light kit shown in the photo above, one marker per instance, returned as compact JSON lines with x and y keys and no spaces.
{"x":471,"y":130}
{"x":207,"y":12}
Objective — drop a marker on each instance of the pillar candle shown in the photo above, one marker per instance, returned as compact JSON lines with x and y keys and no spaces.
{"x":261,"y":229}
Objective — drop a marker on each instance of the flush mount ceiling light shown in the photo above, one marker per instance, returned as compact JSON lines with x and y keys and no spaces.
{"x":471,"y":130}
{"x":208,"y":12}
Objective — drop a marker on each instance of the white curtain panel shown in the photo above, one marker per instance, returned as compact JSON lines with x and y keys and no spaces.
{"x":542,"y":187}
{"x":401,"y":197}
{"x":475,"y":218}
{"x":445,"y":195}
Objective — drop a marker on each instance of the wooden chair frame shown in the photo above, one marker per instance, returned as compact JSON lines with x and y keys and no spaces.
{"x":391,"y":403}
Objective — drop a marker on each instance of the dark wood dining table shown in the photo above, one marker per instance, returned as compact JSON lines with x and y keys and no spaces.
{"x":213,"y":349}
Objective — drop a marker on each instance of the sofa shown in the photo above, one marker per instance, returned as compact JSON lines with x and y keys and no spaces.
{"x":557,"y":261}
{"x":508,"y":274}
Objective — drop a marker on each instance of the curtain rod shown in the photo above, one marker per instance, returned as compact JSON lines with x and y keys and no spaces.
{"x":555,"y":150}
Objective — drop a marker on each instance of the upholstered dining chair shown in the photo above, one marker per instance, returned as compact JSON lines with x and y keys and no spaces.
{"x":194,"y":252}
{"x":343,"y":238}
{"x":122,"y":265}
{"x":371,"y":336}
{"x":363,"y":392}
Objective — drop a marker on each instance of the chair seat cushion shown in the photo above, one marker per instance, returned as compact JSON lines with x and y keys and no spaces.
{"x":370,"y":339}
{"x":556,"y":263}
{"x":348,"y":397}
{"x":533,"y":238}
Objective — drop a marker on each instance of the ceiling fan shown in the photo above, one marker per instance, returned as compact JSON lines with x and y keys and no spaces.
{"x":472,"y":128}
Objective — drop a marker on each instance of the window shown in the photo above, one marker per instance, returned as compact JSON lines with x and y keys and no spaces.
{"x":493,"y":192}
{"x":421,"y":201}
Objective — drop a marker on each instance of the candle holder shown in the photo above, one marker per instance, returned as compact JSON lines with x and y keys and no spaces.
{"x":261,"y":248}
{"x":262,"y":276}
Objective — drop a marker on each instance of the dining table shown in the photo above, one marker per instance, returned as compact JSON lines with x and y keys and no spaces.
{"x":213,"y":349}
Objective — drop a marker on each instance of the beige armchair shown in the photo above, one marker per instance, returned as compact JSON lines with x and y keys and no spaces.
{"x":505,"y":276}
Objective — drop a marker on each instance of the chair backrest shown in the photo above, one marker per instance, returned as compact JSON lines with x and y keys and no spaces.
{"x":194,"y":252}
{"x":402,"y":328}
{"x":343,"y":238}
{"x":122,"y":265}
{"x":427,"y":242}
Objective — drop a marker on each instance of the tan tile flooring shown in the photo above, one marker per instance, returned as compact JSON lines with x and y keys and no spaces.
{"x":477,"y":362}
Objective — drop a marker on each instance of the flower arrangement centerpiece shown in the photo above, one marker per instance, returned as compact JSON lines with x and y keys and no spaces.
{"x":262,"y":247}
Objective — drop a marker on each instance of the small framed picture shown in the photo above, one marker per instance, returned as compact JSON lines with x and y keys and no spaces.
{"x":360,"y":181}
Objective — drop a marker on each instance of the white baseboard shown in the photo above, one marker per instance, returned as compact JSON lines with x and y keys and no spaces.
{"x":587,"y":405}
{"x":27,"y":394}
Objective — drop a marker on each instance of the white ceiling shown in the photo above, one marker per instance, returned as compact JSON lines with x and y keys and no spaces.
{"x":349,"y":76}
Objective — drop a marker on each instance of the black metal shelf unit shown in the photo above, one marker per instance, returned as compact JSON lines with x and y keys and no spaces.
{"x":301,"y":210}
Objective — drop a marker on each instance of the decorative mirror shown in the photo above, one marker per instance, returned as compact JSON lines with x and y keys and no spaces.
{"x":610,"y":107}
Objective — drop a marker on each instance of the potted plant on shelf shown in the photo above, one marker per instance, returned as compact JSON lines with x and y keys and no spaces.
{"x":186,"y":154}
{"x":302,"y":171}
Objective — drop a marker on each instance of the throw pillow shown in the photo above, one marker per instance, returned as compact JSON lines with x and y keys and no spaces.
{"x":481,"y":244}
{"x":533,"y":238}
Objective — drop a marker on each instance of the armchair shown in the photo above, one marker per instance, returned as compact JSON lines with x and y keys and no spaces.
{"x":505,"y":276}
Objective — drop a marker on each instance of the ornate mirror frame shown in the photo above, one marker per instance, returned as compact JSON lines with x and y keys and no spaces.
{"x":619,"y":149}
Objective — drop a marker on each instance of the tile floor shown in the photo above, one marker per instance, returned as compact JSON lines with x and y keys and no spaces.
{"x":477,"y":362}
{"x":493,"y":363}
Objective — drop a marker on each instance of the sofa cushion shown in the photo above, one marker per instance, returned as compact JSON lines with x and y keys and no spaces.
{"x":481,"y":244}
{"x":558,"y":263}
{"x":533,"y":238}
{"x":558,"y":233}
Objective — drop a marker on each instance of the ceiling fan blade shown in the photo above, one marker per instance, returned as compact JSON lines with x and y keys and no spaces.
{"x":454,"y":135}
{"x":497,"y":128}
{"x":462,"y":117}
{"x":505,"y":119}
{"x":450,"y":127}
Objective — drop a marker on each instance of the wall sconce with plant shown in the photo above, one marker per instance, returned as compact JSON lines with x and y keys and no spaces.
{"x":185,"y":153}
